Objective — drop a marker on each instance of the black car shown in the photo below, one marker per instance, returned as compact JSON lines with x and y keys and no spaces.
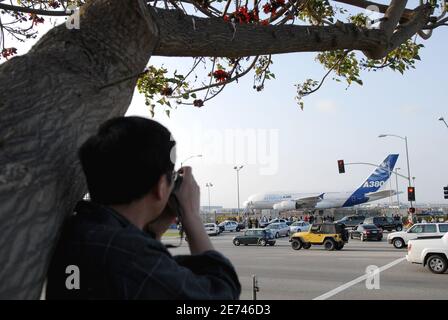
{"x":385,"y":223}
{"x":367,"y":232}
{"x":352,"y":221}
{"x":260,"y":237}
{"x":241,"y":225}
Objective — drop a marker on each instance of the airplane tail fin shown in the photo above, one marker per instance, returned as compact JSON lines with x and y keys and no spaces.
{"x":379,"y":177}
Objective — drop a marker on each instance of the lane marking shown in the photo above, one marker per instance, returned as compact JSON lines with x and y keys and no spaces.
{"x":356,"y":281}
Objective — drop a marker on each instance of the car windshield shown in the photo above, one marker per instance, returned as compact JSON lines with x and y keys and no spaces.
{"x":369,"y":226}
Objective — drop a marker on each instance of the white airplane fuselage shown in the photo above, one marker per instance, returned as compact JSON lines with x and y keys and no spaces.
{"x":368,"y":191}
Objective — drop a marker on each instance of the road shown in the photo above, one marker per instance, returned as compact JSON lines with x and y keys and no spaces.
{"x":285,"y":274}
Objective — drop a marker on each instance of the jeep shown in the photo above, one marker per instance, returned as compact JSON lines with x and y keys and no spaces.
{"x":332,"y":236}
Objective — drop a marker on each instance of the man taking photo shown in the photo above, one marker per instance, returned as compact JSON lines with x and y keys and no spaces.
{"x":114,"y":239}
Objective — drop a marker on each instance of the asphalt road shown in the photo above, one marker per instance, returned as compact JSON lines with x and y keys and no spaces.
{"x":285,"y":274}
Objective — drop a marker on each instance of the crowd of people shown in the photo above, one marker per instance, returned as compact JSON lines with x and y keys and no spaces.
{"x":257,"y":222}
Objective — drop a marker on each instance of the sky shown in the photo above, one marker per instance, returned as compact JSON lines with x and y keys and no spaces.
{"x":285,"y":148}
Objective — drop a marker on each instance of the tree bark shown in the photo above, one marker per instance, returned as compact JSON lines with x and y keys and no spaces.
{"x":50,"y":102}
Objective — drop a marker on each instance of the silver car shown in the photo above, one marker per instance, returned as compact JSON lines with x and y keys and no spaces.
{"x":299,"y":226}
{"x":212,"y":229}
{"x":279,"y":229}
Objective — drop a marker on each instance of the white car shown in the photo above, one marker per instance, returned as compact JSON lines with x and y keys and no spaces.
{"x":229,"y":225}
{"x":279,"y":229}
{"x":299,"y":226}
{"x":212,"y":229}
{"x":432,"y":253}
{"x":420,"y":230}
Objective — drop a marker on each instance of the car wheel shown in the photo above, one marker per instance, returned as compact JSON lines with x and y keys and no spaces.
{"x":262,"y":242}
{"x":296,"y":244}
{"x":399,"y":228}
{"x":277,"y":235}
{"x":329,"y":244}
{"x":398,"y":243}
{"x":236,"y":242}
{"x":437,"y":264}
{"x":306,"y":246}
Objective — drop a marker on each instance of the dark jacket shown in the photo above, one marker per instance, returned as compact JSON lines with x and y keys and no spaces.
{"x":116,"y":260}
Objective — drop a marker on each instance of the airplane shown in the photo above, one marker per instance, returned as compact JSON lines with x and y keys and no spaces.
{"x":367,"y":192}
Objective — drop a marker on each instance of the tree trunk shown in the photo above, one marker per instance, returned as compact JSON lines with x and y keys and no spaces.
{"x":51,"y":100}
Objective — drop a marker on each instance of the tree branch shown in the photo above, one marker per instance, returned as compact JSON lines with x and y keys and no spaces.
{"x":213,"y":37}
{"x":392,"y":16}
{"x":407,"y":13}
{"x":34,"y":11}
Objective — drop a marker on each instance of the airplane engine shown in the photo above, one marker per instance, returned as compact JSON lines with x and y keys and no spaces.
{"x":285,"y":205}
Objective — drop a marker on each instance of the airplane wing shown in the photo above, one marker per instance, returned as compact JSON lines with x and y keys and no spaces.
{"x":381,"y":194}
{"x":308,"y":202}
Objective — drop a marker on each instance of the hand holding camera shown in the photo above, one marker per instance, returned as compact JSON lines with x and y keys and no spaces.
{"x":188,"y":195}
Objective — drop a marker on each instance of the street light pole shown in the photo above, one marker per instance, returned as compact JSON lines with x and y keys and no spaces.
{"x":195,"y":156}
{"x":396,"y":181}
{"x":407,"y":154}
{"x":238,"y":168}
{"x":442,"y":119}
{"x":209,"y":185}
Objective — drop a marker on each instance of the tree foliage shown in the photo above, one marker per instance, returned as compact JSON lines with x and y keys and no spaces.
{"x":208,"y":76}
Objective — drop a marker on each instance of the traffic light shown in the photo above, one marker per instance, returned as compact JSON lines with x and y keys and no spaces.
{"x":445,"y":192}
{"x":411,"y":194}
{"x":341,"y":166}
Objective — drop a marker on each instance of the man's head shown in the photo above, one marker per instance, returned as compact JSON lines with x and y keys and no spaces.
{"x":127,"y":159}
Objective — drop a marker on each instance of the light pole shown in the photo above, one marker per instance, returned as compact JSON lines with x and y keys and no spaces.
{"x":442,"y":119}
{"x":238,"y":168}
{"x":209,"y":185}
{"x":407,"y":153}
{"x":396,"y":181}
{"x":195,"y":156}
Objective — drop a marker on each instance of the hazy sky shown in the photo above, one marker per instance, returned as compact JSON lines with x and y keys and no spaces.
{"x":335,"y":124}
{"x":296,"y":150}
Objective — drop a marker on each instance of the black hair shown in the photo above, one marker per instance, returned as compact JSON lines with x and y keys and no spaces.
{"x":126,"y":159}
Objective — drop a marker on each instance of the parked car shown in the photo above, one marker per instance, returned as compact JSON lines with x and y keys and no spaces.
{"x":261,"y":237}
{"x":263,"y":223}
{"x":332,"y":236}
{"x":299,"y":226}
{"x":278,"y":220}
{"x":279,"y":229}
{"x":351,"y":221}
{"x":212,"y":229}
{"x":420,"y":230}
{"x":365,"y":232}
{"x":432,"y":253}
{"x":241,"y":225}
{"x":385,"y":223}
{"x":229,"y":225}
